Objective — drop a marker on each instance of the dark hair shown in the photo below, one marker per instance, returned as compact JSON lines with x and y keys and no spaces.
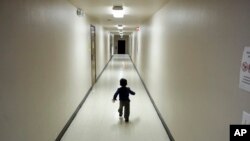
{"x":123,"y":82}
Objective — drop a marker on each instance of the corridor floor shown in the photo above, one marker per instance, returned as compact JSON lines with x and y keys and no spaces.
{"x":98,"y":119}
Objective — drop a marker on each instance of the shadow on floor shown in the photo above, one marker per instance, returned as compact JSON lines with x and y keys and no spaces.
{"x":125,"y":127}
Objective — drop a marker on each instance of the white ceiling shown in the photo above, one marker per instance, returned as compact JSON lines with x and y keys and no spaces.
{"x":136,"y":11}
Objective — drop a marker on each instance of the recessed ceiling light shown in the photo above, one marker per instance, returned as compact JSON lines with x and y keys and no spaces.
{"x":120,"y":27}
{"x":118,"y":12}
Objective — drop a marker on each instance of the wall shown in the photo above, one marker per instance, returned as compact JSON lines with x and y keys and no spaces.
{"x":189,"y":56}
{"x":102,"y":48}
{"x":44,"y":67}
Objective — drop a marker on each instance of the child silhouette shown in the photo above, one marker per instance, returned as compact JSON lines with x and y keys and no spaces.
{"x":123,"y":93}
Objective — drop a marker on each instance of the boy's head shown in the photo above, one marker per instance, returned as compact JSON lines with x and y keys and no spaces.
{"x":123,"y":82}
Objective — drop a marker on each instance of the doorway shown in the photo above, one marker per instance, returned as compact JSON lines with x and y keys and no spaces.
{"x":121,"y":46}
{"x":93,"y":54}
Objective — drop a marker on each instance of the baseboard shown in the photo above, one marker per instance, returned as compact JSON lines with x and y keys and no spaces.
{"x":103,"y":69}
{"x":65,"y":128}
{"x":152,"y":101}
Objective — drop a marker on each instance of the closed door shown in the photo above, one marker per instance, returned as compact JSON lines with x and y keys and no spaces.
{"x":93,"y":54}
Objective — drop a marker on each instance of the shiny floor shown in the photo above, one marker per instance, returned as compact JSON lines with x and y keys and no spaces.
{"x":98,"y":119}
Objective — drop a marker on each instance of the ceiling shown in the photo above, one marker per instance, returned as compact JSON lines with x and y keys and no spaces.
{"x":136,"y":11}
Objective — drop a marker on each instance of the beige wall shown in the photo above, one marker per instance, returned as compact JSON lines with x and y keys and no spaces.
{"x":44,"y":67}
{"x":189,"y":56}
{"x":102,"y":48}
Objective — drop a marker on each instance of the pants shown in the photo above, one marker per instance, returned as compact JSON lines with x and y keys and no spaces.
{"x":126,"y":105}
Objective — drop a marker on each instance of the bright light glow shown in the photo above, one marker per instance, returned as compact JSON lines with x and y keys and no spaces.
{"x":120,"y":27}
{"x":118,"y":13}
{"x":113,"y":10}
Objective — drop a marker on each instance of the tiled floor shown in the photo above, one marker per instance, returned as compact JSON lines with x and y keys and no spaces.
{"x":98,"y":119}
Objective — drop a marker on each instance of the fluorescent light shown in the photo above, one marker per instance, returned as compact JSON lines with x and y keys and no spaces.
{"x":118,"y":12}
{"x":120,"y":27}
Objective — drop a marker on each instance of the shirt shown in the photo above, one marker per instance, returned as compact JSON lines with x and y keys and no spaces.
{"x":123,"y":93}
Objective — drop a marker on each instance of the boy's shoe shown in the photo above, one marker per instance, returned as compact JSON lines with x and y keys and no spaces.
{"x":126,"y":120}
{"x":120,"y":113}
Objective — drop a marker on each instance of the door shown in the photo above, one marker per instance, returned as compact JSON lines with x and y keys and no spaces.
{"x":121,"y":46}
{"x":93,"y":54}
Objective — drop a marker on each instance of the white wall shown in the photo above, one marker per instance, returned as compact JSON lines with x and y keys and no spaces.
{"x":102,"y":48}
{"x":44,"y":67}
{"x":189,"y":56}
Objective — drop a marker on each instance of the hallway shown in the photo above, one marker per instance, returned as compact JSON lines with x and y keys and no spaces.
{"x":191,"y":55}
{"x":98,"y":119}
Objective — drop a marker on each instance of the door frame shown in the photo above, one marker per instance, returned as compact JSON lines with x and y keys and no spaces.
{"x":93,"y":53}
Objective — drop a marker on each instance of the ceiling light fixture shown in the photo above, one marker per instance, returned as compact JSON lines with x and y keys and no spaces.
{"x":120,"y":27}
{"x":118,"y":12}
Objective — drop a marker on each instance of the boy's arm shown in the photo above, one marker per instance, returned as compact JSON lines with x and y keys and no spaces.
{"x":115,"y":95}
{"x":131,"y":92}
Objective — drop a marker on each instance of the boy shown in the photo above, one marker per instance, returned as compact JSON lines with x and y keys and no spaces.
{"x":123,"y":92}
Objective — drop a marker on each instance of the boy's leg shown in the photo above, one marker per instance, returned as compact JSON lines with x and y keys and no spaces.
{"x":127,"y":110}
{"x":120,"y":108}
